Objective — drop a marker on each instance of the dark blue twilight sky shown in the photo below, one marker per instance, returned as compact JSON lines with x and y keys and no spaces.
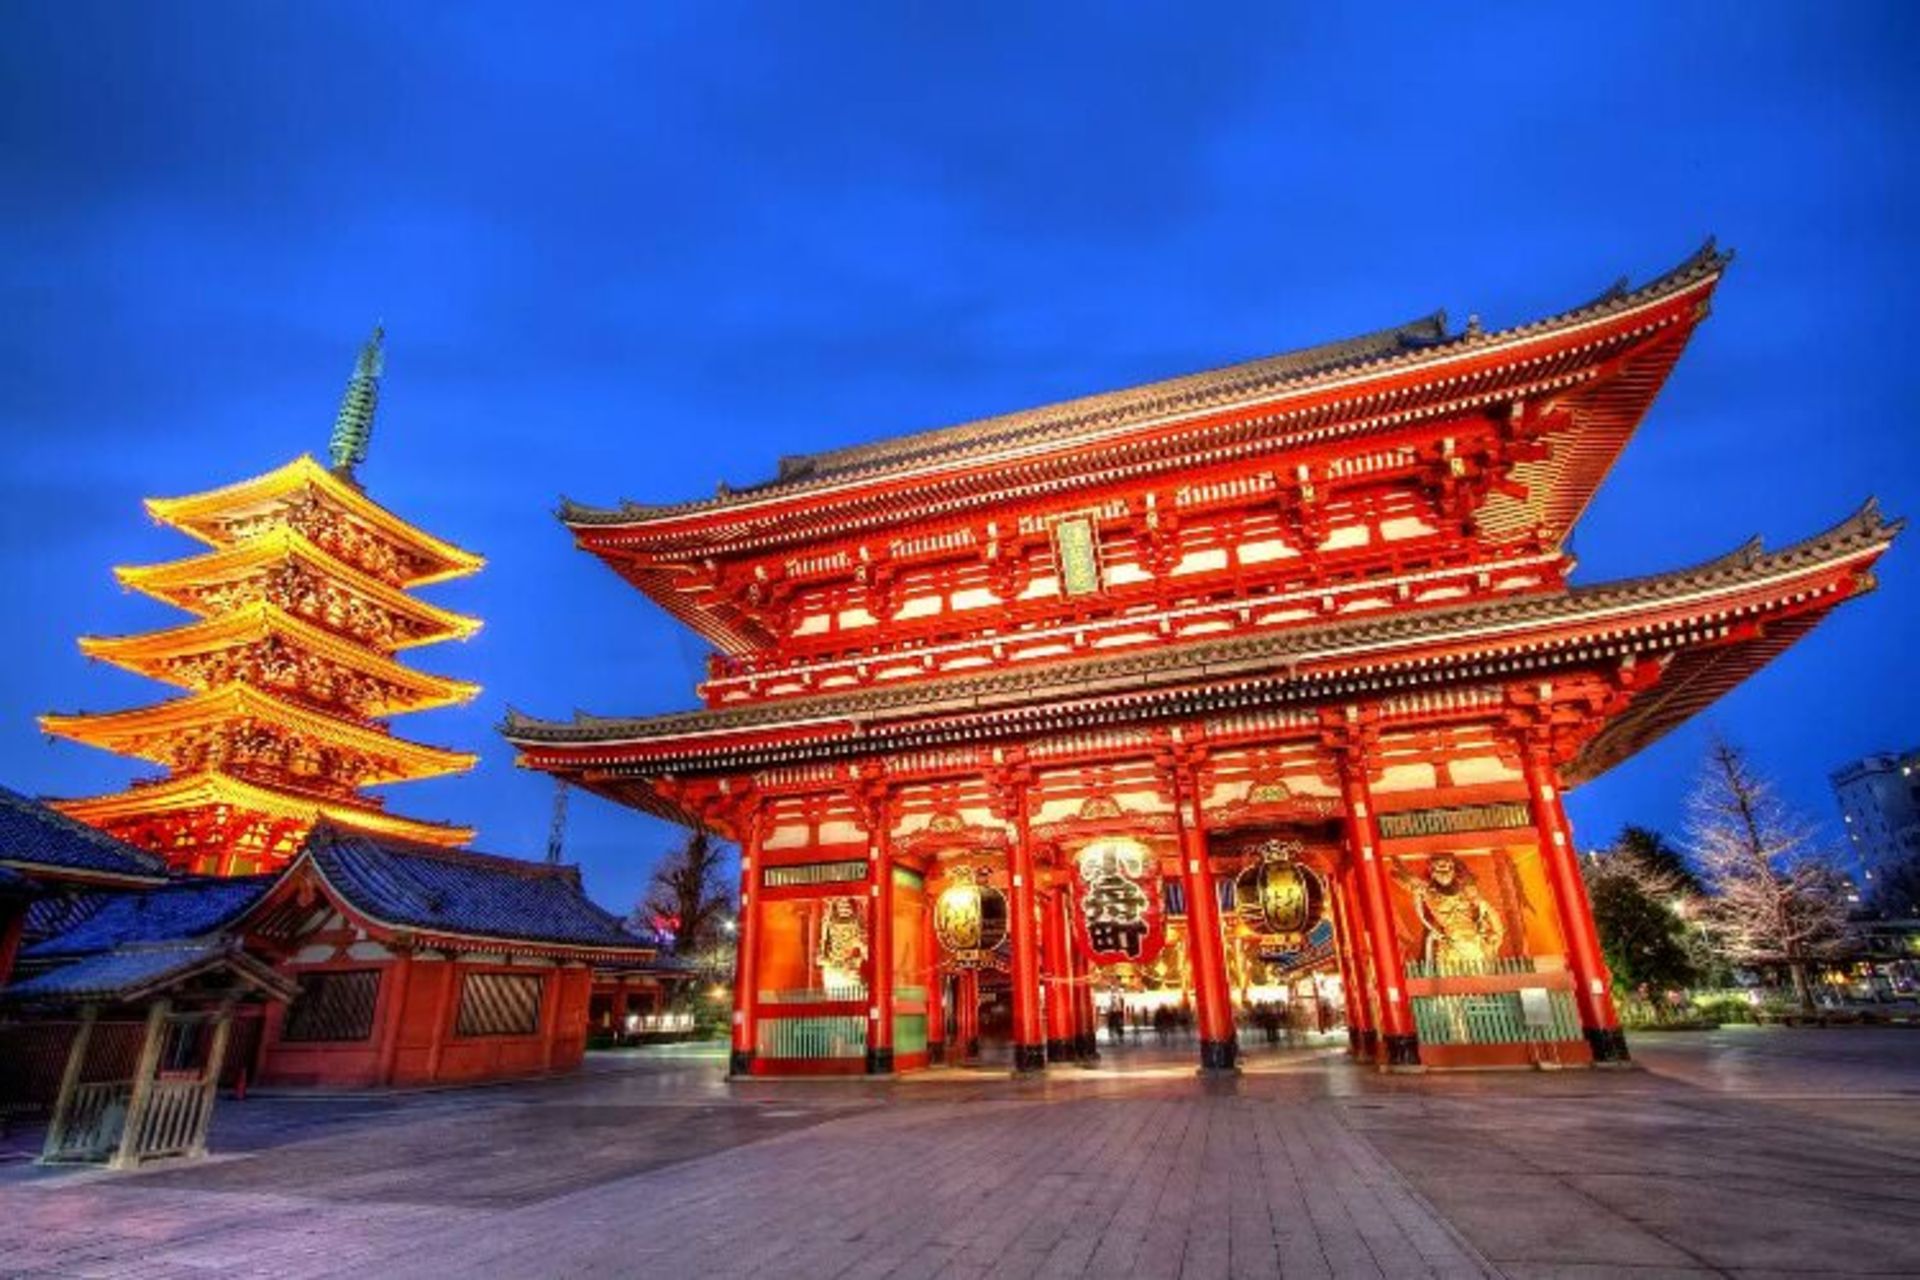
{"x":638,"y":250}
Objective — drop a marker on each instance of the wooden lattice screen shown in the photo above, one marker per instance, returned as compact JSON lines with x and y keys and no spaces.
{"x":499,"y":1004}
{"x":335,"y":1005}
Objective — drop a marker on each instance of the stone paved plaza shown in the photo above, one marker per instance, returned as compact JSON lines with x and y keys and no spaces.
{"x":1750,"y":1153}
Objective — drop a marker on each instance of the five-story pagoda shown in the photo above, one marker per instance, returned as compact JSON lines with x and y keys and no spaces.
{"x":300,"y":605}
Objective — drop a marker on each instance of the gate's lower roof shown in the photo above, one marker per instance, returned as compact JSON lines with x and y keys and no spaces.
{"x":1330,"y":662}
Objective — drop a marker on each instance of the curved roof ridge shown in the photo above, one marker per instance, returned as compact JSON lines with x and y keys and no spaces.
{"x":1193,"y":391}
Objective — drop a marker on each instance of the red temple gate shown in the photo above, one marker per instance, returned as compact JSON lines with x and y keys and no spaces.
{"x":1319,"y":599}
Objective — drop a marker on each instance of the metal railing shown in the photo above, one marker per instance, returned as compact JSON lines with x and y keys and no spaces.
{"x":1495,"y":1018}
{"x":829,"y":1037}
{"x":910,"y":1033}
{"x":816,"y":995}
{"x":1471,"y":968}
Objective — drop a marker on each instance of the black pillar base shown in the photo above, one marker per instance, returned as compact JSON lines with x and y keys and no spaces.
{"x":1402,"y":1051}
{"x":1087,"y":1047}
{"x":1609,"y":1045}
{"x":740,"y":1064}
{"x":1368,"y":1044}
{"x":971,"y":1053}
{"x":879,"y":1062}
{"x":1029,"y":1058}
{"x":1060,"y":1051}
{"x":1219,"y":1055}
{"x":1353,"y":1041}
{"x":937,"y":1053}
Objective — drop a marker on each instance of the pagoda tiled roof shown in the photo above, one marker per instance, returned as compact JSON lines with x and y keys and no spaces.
{"x":183,"y":793}
{"x":198,"y":514}
{"x":37,"y":838}
{"x":459,"y":892}
{"x":144,"y":731}
{"x":179,"y":911}
{"x":693,"y":738}
{"x":1388,"y":350}
{"x":175,"y":582}
{"x":148,"y":653}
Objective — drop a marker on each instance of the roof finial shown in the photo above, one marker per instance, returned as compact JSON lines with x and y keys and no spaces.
{"x":353,"y":428}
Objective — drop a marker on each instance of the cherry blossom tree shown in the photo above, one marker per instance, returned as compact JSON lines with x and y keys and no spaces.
{"x":1776,"y":901}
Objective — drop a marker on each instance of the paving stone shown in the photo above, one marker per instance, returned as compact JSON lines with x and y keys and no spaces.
{"x":1731,"y":1156}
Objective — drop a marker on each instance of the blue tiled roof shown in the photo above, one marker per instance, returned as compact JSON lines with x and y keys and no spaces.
{"x":33,"y":834}
{"x":115,"y":974}
{"x":173,"y":912}
{"x":454,"y":891}
{"x":58,"y":912}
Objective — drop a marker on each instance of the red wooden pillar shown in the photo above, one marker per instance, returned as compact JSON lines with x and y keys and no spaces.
{"x":1086,"y":1040}
{"x":1060,"y":997}
{"x":1362,"y":1039}
{"x":936,"y":986}
{"x":1399,"y":1043}
{"x":13,"y":926}
{"x":399,"y":978}
{"x":746,"y":957}
{"x":966,"y":1016}
{"x":551,"y":1011}
{"x":880,"y":977}
{"x":451,"y":977}
{"x":1207,"y":952}
{"x":1592,"y":980}
{"x":1029,"y":1039}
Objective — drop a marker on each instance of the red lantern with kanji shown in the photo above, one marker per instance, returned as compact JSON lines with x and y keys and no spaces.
{"x":1117,"y":915}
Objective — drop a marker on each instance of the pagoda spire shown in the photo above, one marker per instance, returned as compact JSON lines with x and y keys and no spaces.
{"x":353,"y":426}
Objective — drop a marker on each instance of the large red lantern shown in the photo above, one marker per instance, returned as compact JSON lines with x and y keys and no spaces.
{"x":1117,"y":917}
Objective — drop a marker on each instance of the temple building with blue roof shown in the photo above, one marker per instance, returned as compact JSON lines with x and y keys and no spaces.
{"x":367,"y":961}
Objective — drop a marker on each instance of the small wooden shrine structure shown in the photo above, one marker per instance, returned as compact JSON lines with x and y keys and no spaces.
{"x":159,"y":1104}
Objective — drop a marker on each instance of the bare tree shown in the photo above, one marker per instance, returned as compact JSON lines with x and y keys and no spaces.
{"x":689,"y":897}
{"x":1776,"y":901}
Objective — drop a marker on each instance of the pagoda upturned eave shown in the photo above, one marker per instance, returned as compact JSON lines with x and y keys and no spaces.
{"x":205,"y":789}
{"x":202,"y":515}
{"x":146,"y":731}
{"x":176,"y":581}
{"x":1715,"y":604}
{"x":149,"y":653}
{"x":1106,"y":424}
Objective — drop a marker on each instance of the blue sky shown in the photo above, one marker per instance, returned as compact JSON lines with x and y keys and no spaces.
{"x":636,"y":250}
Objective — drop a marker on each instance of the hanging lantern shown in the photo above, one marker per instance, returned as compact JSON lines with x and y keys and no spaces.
{"x":970,"y":918}
{"x":1116,"y":892}
{"x":1279,"y":897}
